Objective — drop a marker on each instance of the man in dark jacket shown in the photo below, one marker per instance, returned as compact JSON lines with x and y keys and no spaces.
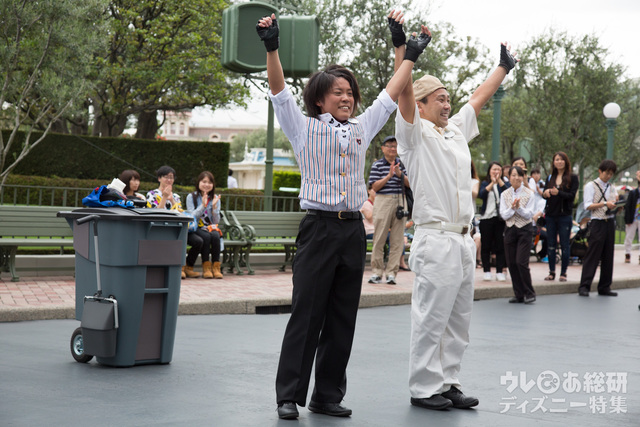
{"x":631,"y":220}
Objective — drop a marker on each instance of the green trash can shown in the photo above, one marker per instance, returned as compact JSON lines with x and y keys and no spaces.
{"x":141,"y":253}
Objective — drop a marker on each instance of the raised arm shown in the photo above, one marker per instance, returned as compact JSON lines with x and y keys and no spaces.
{"x":406,"y":54}
{"x":269,"y":32}
{"x":409,"y":53}
{"x":493,"y":82}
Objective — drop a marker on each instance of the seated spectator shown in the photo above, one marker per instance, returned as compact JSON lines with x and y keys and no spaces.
{"x":131,"y":180}
{"x":204,"y":204}
{"x":163,"y":197}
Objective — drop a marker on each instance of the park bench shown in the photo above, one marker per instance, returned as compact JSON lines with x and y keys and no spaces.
{"x":30,"y":226}
{"x":268,"y":229}
{"x":236,"y":245}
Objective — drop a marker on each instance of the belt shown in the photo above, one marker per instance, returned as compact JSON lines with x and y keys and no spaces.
{"x":448,"y":226}
{"x":336,"y":215}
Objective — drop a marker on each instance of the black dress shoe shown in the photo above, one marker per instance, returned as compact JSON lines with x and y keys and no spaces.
{"x":608,"y":294}
{"x":435,"y":402}
{"x":333,"y":409}
{"x":583,"y":292}
{"x":287,"y":411}
{"x":529,"y":299}
{"x":458,"y":399}
{"x":516,"y":300}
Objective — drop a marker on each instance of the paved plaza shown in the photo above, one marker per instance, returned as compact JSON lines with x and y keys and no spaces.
{"x":562,"y":361}
{"x":223,"y":371}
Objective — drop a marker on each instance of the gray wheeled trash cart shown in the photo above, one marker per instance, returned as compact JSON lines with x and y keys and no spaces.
{"x":141,"y":252}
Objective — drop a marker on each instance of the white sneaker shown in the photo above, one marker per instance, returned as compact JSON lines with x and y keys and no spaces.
{"x":500,"y":277}
{"x":487,"y":277}
{"x":375,"y":279}
{"x":391,"y":279}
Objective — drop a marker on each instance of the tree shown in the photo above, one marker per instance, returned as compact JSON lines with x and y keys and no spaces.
{"x":162,"y":55}
{"x":556,"y":101}
{"x":46,"y":49}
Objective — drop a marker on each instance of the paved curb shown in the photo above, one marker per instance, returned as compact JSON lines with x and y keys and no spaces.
{"x":248,"y":306}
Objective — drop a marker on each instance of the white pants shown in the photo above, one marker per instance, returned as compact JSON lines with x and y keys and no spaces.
{"x":444,"y":264}
{"x":630,"y":231}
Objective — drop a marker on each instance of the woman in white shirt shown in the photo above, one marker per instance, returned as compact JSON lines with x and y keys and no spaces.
{"x":517,"y":208}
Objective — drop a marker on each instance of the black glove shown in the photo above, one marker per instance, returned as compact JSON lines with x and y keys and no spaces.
{"x":416,"y":45}
{"x":397,"y":33}
{"x":270,"y":35}
{"x":507,"y":60}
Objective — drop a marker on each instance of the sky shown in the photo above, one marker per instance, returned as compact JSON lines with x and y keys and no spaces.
{"x":615,"y":22}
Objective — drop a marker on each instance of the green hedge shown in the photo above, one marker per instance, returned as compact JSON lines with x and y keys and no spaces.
{"x":231,"y":199}
{"x":286,"y":179}
{"x":86,"y":157}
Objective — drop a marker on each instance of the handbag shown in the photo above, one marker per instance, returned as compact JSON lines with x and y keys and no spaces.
{"x":193,"y":224}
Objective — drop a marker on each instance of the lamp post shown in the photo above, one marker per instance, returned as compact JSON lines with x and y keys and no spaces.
{"x":497,"y":111}
{"x":611,"y":112}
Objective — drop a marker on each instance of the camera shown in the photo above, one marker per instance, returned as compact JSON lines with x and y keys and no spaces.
{"x":401,"y":213}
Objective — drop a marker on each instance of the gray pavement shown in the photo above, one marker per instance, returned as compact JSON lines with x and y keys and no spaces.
{"x":223,"y":369}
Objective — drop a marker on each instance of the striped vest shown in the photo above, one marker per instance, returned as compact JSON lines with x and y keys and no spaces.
{"x":516,"y":219}
{"x":329,"y":173}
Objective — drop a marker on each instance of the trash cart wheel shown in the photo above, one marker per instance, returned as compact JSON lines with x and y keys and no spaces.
{"x":77,"y":347}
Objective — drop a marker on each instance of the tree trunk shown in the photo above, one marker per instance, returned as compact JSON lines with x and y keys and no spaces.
{"x":109,"y":126}
{"x":147,"y":125}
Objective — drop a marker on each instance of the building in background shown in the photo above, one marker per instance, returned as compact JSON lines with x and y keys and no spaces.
{"x":250,"y":172}
{"x":179,"y":125}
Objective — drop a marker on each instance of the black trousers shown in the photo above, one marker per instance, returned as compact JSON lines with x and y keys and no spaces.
{"x":517,"y":246}
{"x":205,"y":243}
{"x":491,"y":240}
{"x":602,"y":234}
{"x":327,"y":280}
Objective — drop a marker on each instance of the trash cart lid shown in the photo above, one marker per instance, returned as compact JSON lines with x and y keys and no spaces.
{"x":122,"y":214}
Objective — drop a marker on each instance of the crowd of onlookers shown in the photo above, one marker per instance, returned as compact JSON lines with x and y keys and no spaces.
{"x":520,"y":214}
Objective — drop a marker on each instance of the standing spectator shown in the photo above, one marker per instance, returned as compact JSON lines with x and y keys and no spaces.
{"x":505,"y":173}
{"x":367,"y":213}
{"x":435,"y":150}
{"x":631,"y":219}
{"x":559,"y":191}
{"x":475,"y":182}
{"x":600,"y":198}
{"x":491,"y":224}
{"x":163,"y":197}
{"x":517,"y":208}
{"x":387,"y":177}
{"x":231,"y":181}
{"x":330,"y":146}
{"x":131,"y":180}
{"x":204,"y":205}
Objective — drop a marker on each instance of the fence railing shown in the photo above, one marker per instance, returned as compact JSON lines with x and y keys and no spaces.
{"x":72,"y":196}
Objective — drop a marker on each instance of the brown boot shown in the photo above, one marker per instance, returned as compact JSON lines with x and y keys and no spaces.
{"x":206,"y":270}
{"x":184,"y":275}
{"x":188,"y":270}
{"x":627,"y":258}
{"x":216,"y":270}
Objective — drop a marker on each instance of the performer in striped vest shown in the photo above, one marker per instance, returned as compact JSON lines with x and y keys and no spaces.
{"x":517,"y":206}
{"x":330,"y":144}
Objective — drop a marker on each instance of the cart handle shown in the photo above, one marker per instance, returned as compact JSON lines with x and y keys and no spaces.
{"x":88,"y":218}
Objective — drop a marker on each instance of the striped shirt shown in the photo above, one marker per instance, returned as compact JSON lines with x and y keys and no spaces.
{"x":323,"y":185}
{"x":380,"y":169}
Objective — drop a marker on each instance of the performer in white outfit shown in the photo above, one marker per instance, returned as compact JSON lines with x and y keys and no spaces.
{"x":436,"y":154}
